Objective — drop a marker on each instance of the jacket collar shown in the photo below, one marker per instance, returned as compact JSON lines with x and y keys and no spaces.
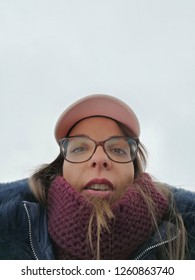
{"x":40,"y":241}
{"x":150,"y":248}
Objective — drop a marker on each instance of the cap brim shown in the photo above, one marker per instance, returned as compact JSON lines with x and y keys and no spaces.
{"x":97,"y":105}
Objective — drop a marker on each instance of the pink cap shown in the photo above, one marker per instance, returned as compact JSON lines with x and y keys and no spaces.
{"x":97,"y":105}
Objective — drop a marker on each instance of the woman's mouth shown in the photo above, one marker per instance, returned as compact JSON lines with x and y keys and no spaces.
{"x":99,"y":187}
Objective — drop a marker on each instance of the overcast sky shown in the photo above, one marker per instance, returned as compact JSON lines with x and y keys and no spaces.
{"x":54,"y":52}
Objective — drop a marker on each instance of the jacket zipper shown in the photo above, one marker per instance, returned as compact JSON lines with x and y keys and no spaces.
{"x":154,"y":246}
{"x":30,"y":232}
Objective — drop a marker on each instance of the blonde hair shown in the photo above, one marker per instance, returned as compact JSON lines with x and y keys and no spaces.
{"x":40,"y":182}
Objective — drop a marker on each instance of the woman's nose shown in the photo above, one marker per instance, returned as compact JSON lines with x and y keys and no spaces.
{"x":100,"y":159}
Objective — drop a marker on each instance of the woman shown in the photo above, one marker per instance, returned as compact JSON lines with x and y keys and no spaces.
{"x":95,"y":201}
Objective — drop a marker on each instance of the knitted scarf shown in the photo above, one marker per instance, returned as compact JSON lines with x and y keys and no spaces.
{"x":68,"y":219}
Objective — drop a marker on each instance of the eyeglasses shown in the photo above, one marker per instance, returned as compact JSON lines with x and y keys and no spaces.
{"x":78,"y":149}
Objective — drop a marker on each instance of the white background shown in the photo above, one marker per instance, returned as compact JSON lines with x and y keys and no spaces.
{"x":53,"y":52}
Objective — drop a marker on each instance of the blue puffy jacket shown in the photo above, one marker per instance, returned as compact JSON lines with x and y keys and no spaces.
{"x":24,"y":234}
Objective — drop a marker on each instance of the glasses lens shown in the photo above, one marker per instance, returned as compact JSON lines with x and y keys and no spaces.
{"x":121,"y":149}
{"x":78,"y":149}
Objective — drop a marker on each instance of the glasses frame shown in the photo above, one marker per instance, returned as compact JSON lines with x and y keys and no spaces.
{"x":97,"y":144}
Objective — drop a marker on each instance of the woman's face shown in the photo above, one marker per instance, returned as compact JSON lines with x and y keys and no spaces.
{"x":99,"y":176}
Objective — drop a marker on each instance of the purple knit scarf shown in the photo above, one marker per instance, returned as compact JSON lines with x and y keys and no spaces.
{"x":69,"y":212}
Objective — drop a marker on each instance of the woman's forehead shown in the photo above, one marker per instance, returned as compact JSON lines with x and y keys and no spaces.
{"x":98,"y":126}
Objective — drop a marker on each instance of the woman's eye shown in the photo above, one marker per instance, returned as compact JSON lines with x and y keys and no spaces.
{"x":78,"y":149}
{"x":119,"y":151}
